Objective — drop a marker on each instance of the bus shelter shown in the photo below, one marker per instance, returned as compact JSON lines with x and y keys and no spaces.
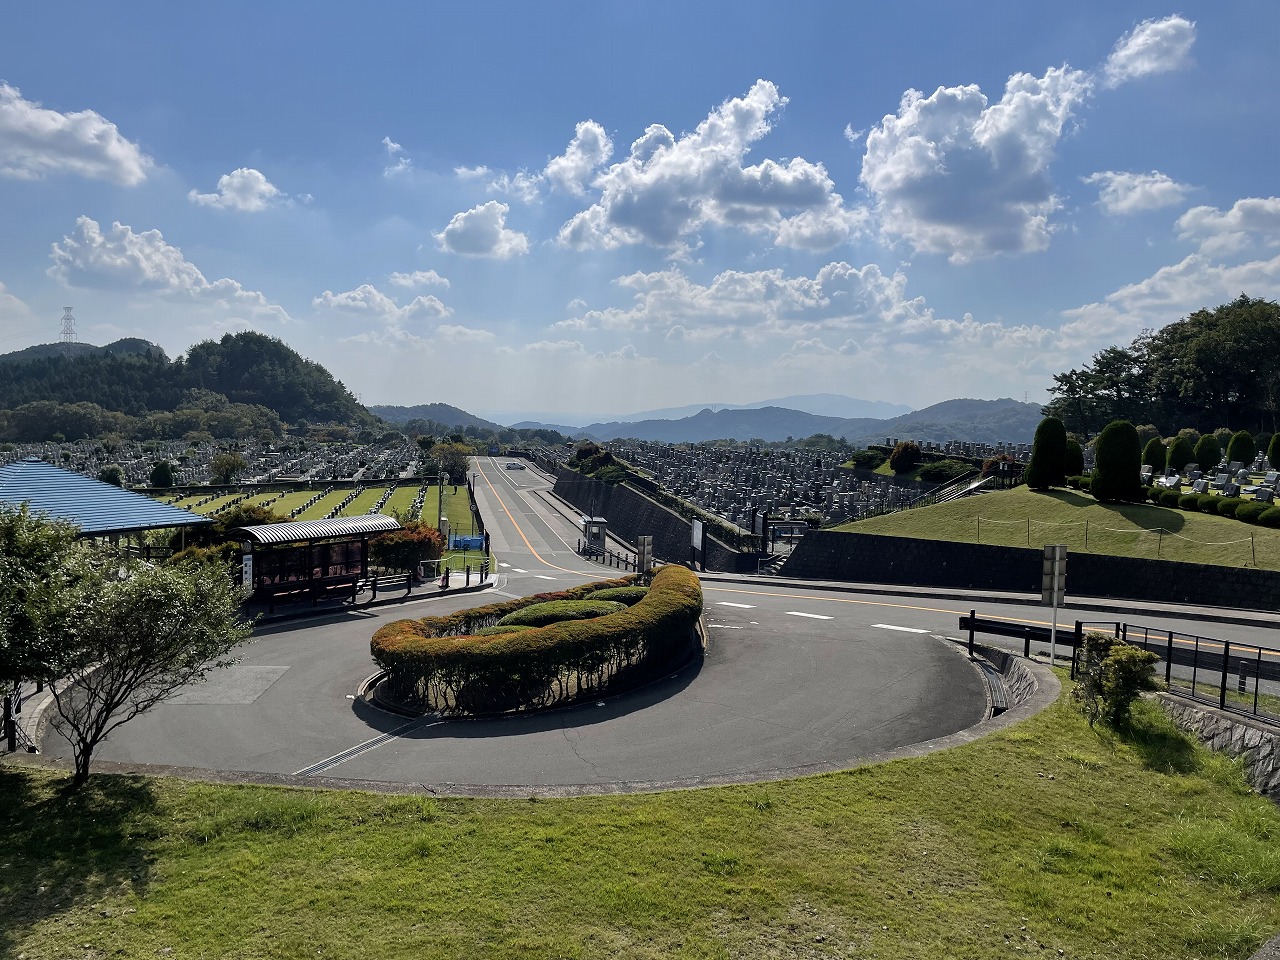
{"x":309,"y":559}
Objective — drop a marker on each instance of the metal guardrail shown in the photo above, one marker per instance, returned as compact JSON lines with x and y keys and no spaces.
{"x":1240,"y":678}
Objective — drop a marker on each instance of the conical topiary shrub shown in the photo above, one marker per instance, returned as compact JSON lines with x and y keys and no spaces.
{"x":1048,"y":466}
{"x":1118,"y":464}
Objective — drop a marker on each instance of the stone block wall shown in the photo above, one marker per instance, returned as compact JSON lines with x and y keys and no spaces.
{"x":866,"y":558}
{"x":1256,"y":742}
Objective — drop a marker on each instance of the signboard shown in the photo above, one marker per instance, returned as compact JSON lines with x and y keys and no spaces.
{"x":246,"y":569}
{"x":1053,"y":578}
{"x":644,"y":554}
{"x":464,"y":542}
{"x":697,"y":535}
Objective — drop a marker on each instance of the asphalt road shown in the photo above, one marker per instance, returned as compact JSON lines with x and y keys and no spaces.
{"x":795,"y":678}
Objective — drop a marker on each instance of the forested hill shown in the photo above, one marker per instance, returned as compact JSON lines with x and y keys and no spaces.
{"x":246,"y":370}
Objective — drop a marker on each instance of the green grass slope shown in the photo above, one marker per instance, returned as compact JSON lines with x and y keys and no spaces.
{"x":1049,"y":839}
{"x":1025,"y":518}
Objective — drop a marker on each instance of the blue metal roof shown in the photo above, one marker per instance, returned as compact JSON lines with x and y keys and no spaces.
{"x":95,"y":507}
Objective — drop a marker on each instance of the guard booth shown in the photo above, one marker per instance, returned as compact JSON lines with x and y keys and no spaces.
{"x":594,"y":533}
{"x":309,"y":559}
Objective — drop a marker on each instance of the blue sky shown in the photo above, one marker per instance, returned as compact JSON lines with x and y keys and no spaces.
{"x":573,"y":210}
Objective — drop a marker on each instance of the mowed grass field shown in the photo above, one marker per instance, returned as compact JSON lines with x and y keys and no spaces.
{"x":457,"y":504}
{"x":1022,"y":518}
{"x":1047,"y":839}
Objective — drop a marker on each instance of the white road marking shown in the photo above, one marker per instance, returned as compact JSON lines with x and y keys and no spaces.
{"x":740,"y":606}
{"x":518,"y":570}
{"x":890,"y":626}
{"x":543,"y":576}
{"x":503,"y":564}
{"x":811,"y":616}
{"x":722,"y":626}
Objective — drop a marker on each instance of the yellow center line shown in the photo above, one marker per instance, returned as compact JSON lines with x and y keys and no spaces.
{"x":497,"y":496}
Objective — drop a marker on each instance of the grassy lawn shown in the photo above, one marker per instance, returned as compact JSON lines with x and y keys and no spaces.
{"x":1021,"y":517}
{"x":1047,"y":839}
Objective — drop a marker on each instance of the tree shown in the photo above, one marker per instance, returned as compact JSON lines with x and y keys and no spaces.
{"x":405,"y":548}
{"x":1180,"y":454}
{"x":1074,"y":464}
{"x":135,"y":635}
{"x":1048,"y":456}
{"x":454,"y":459}
{"x":35,"y":570}
{"x":1241,"y":448}
{"x":1273,"y":452}
{"x":906,"y":456}
{"x":1117,"y":464}
{"x":161,"y":474}
{"x":113,"y":474}
{"x":1208,"y":452}
{"x":1154,"y":454}
{"x":1112,"y":676}
{"x":225,"y":467}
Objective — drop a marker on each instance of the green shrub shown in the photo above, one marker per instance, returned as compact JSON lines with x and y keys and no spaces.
{"x":1073,"y":481}
{"x":626,"y":595}
{"x":1241,"y":448}
{"x":866,"y":459}
{"x":1154,"y":454}
{"x":1273,"y":452}
{"x":1086,"y":483}
{"x":1208,"y":502}
{"x":558,"y":611}
{"x":943,"y":471}
{"x":1153,"y":494}
{"x":1074,"y":463}
{"x":1227,"y":506}
{"x":1208,"y":452}
{"x":1181,"y":452}
{"x":1170,"y":498}
{"x":1048,"y":456}
{"x":497,"y":630}
{"x":1251,"y":511}
{"x":1189,"y":501}
{"x":1270,"y":518}
{"x":906,"y":456}
{"x":1118,"y":464}
{"x":1112,"y":676}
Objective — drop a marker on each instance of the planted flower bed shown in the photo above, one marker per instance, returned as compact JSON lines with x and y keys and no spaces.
{"x":454,"y":664}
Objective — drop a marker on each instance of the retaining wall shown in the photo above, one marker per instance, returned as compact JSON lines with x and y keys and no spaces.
{"x":1257,"y":743}
{"x":632,"y":515}
{"x":866,"y":558}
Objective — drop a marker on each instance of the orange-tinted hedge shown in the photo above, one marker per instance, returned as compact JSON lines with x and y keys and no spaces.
{"x":438,"y":664}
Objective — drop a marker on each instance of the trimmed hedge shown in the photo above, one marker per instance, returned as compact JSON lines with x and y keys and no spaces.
{"x":1270,"y":518}
{"x":624,"y":595}
{"x":558,"y":611}
{"x":439,"y":664}
{"x":1227,"y":506}
{"x":1189,"y":501}
{"x":1251,"y":511}
{"x":1170,"y":498}
{"x":500,"y":629}
{"x":1118,"y":464}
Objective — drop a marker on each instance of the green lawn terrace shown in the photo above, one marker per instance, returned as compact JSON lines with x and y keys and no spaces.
{"x":1025,"y":518}
{"x":284,"y":502}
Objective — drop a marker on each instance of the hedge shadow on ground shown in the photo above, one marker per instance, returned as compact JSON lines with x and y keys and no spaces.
{"x":62,"y":852}
{"x":1147,"y":515}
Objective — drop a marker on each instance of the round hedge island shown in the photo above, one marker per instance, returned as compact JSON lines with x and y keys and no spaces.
{"x":455,"y":665}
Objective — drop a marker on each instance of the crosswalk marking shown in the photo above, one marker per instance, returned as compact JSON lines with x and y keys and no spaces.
{"x":740,"y":606}
{"x":890,"y":626}
{"x":811,"y":616}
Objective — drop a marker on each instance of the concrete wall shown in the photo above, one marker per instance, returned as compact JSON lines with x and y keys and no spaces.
{"x":1257,"y":743}
{"x":864,"y":558}
{"x":631,"y":515}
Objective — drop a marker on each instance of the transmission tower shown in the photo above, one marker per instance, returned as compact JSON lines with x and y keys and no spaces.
{"x":68,"y":336}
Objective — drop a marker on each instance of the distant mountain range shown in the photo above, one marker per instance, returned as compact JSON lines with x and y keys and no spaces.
{"x":979,"y":421}
{"x":442,"y":415}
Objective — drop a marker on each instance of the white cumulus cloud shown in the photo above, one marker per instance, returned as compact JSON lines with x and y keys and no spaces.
{"x":1124,"y":193}
{"x":122,"y":259}
{"x":482,"y":232}
{"x":368,"y":301}
{"x":1153,"y":46}
{"x":245,"y":190}
{"x":36,"y":142}
{"x":666,"y":189}
{"x":403,"y":163}
{"x":419,"y":278}
{"x":589,"y":148}
{"x":955,"y":174}
{"x":12,"y":308}
{"x":454,"y":333}
{"x":1253,"y":219}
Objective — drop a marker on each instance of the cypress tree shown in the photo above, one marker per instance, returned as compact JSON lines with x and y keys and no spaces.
{"x":1154,"y":454}
{"x":1208,"y":452}
{"x":1074,"y":465}
{"x":1118,"y":464}
{"x":1180,"y":453}
{"x":1048,"y":466}
{"x":1273,"y":452}
{"x":1241,"y":448}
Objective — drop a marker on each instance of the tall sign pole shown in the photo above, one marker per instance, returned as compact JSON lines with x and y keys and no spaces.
{"x":1053,"y":588}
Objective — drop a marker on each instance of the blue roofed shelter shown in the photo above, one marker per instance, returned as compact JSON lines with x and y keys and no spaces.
{"x":99,"y":509}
